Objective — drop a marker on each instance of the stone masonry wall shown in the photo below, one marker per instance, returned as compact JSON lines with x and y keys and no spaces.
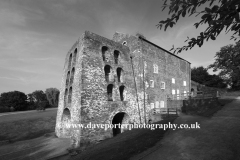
{"x":169,"y":66}
{"x":109,"y":81}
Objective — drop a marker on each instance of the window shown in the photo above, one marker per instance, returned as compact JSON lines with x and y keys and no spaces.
{"x":157,"y":104}
{"x":162,"y":104}
{"x":152,"y":105}
{"x":173,"y":80}
{"x":72,"y":75}
{"x":184,"y":83}
{"x":70,"y":95}
{"x":185,"y":93}
{"x":75,"y":56}
{"x":173,"y":91}
{"x":109,"y":92}
{"x":119,"y":74}
{"x":107,"y":70}
{"x":121,"y":90}
{"x":162,"y":85}
{"x":178,"y":96}
{"x":116,"y":55}
{"x":104,"y":49}
{"x":155,"y":68}
{"x":151,"y":83}
{"x":177,"y":91}
{"x":67,"y":80}
{"x":69,"y":61}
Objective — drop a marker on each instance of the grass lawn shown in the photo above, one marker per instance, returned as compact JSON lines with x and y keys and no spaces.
{"x":27,"y":125}
{"x":124,"y":145}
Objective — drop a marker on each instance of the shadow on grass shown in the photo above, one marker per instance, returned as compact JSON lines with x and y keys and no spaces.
{"x":124,"y":145}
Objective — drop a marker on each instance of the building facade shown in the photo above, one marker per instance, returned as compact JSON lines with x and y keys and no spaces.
{"x":116,"y":81}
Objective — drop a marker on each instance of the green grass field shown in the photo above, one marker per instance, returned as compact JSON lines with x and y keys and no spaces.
{"x":27,"y":125}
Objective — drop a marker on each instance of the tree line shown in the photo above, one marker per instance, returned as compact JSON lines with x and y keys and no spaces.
{"x":227,"y":62}
{"x":19,"y":101}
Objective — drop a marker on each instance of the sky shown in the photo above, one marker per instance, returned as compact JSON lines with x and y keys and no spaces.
{"x":35,"y":35}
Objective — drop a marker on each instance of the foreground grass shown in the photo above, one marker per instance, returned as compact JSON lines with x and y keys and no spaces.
{"x":124,"y":145}
{"x":26,"y":126}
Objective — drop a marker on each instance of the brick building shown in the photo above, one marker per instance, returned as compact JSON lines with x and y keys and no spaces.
{"x":116,"y":81}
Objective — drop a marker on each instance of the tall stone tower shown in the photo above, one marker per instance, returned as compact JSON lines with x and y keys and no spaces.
{"x":115,"y":81}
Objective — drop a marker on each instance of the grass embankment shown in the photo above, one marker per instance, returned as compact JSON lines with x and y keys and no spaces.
{"x":227,"y":98}
{"x":27,"y":125}
{"x":210,"y":112}
{"x":124,"y":145}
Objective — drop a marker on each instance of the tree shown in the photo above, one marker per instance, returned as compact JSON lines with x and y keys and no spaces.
{"x":225,"y":15}
{"x":216,"y":81}
{"x":201,"y":75}
{"x":52,"y":96}
{"x":40,"y":99}
{"x":227,"y":60}
{"x":31,"y":101}
{"x":14,"y":100}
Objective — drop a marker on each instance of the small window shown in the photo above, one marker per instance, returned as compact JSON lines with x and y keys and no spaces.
{"x":173,"y":80}
{"x":119,"y":74}
{"x":121,"y":90}
{"x":185,"y":93}
{"x":151,"y":83}
{"x":184,"y":83}
{"x":124,"y":43}
{"x":152,"y":105}
{"x":157,"y":104}
{"x":178,"y":94}
{"x":162,"y":85}
{"x":177,"y":91}
{"x":155,"y":68}
{"x":107,"y":70}
{"x":75,"y":56}
{"x":70,"y":95}
{"x":109,"y":92}
{"x":162,"y":104}
{"x":70,"y":61}
{"x":116,"y":55}
{"x":104,"y":49}
{"x":173,"y":91}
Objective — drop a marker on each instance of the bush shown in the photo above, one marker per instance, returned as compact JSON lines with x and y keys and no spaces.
{"x":4,"y":109}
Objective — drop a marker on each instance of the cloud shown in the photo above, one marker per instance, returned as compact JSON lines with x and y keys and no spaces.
{"x":8,"y":17}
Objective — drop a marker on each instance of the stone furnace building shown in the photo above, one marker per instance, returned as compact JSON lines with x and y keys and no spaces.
{"x":116,"y":81}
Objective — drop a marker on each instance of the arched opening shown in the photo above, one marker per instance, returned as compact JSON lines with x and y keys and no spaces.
{"x":65,"y":96}
{"x":75,"y":56}
{"x":119,"y":74}
{"x":67,"y":79}
{"x":72,"y":75}
{"x":70,"y":61}
{"x":121,"y":90}
{"x":70,"y":95}
{"x":109,"y":92}
{"x":119,"y":119}
{"x":104,"y":49}
{"x":66,"y":119}
{"x":116,"y":55}
{"x":107,"y":70}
